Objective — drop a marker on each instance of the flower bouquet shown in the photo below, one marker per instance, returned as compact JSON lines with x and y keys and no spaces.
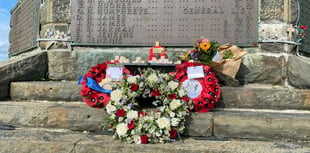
{"x":225,"y":59}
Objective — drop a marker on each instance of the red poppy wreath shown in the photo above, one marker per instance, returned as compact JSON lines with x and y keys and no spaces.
{"x":93,"y":91}
{"x":204,"y":91}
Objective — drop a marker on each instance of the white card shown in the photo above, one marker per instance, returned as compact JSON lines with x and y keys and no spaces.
{"x":115,"y":73}
{"x":193,"y":88}
{"x":195,"y":72}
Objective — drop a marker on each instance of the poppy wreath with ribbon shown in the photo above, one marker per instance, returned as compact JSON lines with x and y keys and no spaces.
{"x":93,"y":93}
{"x":209,"y":88}
{"x":129,"y":113}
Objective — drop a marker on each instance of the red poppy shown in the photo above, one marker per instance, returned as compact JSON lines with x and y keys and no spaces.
{"x":179,"y":74}
{"x":144,"y":139}
{"x":172,"y":96}
{"x":134,"y":87}
{"x":173,"y":133}
{"x":155,"y":92}
{"x":131,"y":125}
{"x":142,"y":114}
{"x":92,"y":99}
{"x":103,"y":98}
{"x":85,"y":90}
{"x":120,"y":113}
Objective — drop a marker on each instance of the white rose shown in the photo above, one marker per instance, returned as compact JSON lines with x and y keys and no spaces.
{"x":152,"y":78}
{"x":175,"y":122}
{"x":158,"y":133}
{"x":182,"y":92}
{"x":116,"y":95}
{"x":163,"y":122}
{"x":172,"y":114}
{"x":132,"y":114}
{"x":175,"y":104}
{"x":141,"y":85}
{"x":121,"y":129}
{"x":173,"y":85}
{"x":137,"y":139}
{"x":110,"y":109}
{"x":132,"y":79}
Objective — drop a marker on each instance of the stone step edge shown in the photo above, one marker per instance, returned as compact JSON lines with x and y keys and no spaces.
{"x":231,"y":97}
{"x":47,"y":140}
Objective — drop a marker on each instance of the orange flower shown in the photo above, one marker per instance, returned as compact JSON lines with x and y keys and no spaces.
{"x":205,"y":46}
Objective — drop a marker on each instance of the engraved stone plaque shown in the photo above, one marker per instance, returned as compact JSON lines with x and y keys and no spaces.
{"x":304,"y":20}
{"x":171,"y":22}
{"x":24,"y":26}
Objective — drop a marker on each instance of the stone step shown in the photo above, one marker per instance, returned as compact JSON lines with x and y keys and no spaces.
{"x":231,"y":97}
{"x":222,"y":123}
{"x":36,"y":140}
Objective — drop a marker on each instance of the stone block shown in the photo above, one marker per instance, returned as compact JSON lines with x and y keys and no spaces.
{"x":73,"y":116}
{"x":199,"y":124}
{"x":264,"y":98}
{"x":62,"y":65}
{"x":24,"y":68}
{"x":262,"y":125}
{"x":298,"y":72}
{"x":46,"y":90}
{"x":262,"y":69}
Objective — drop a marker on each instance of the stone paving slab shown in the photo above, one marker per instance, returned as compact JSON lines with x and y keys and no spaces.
{"x":231,"y":97}
{"x":60,"y":141}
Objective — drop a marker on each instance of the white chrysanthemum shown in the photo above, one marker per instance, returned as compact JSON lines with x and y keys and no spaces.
{"x":116,"y":95}
{"x":175,"y":104}
{"x":121,"y":129}
{"x":173,"y":85}
{"x":132,"y":79}
{"x":163,"y":123}
{"x":175,"y":121}
{"x":153,"y":78}
{"x":182,"y":92}
{"x":137,"y":139}
{"x":172,"y":114}
{"x":132,"y":114}
{"x":110,"y":109}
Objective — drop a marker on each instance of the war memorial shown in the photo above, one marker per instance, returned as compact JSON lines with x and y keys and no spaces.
{"x":217,"y":76}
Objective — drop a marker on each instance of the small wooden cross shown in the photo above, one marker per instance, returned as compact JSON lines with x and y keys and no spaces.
{"x":290,"y":31}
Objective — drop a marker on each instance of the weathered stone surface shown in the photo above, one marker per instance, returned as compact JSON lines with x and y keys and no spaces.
{"x":29,"y":67}
{"x":298,"y":72}
{"x":46,"y":90}
{"x":55,"y":11}
{"x":48,"y":141}
{"x":262,"y":69}
{"x":62,"y":65}
{"x":199,"y":124}
{"x":264,"y":98}
{"x":264,"y":125}
{"x":73,"y":116}
{"x":272,"y":10}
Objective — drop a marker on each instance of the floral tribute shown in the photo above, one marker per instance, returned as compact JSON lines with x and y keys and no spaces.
{"x":133,"y":124}
{"x":210,"y":88}
{"x":93,"y":93}
{"x":204,"y":51}
{"x":301,"y":33}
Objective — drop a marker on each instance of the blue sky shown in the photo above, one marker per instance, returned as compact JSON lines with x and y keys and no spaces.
{"x":5,"y":7}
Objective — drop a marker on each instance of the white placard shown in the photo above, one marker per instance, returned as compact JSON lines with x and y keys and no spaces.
{"x":193,"y":88}
{"x":195,"y":72}
{"x":115,"y":73}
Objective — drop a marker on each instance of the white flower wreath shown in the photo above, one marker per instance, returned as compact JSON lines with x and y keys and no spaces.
{"x":132,"y":125}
